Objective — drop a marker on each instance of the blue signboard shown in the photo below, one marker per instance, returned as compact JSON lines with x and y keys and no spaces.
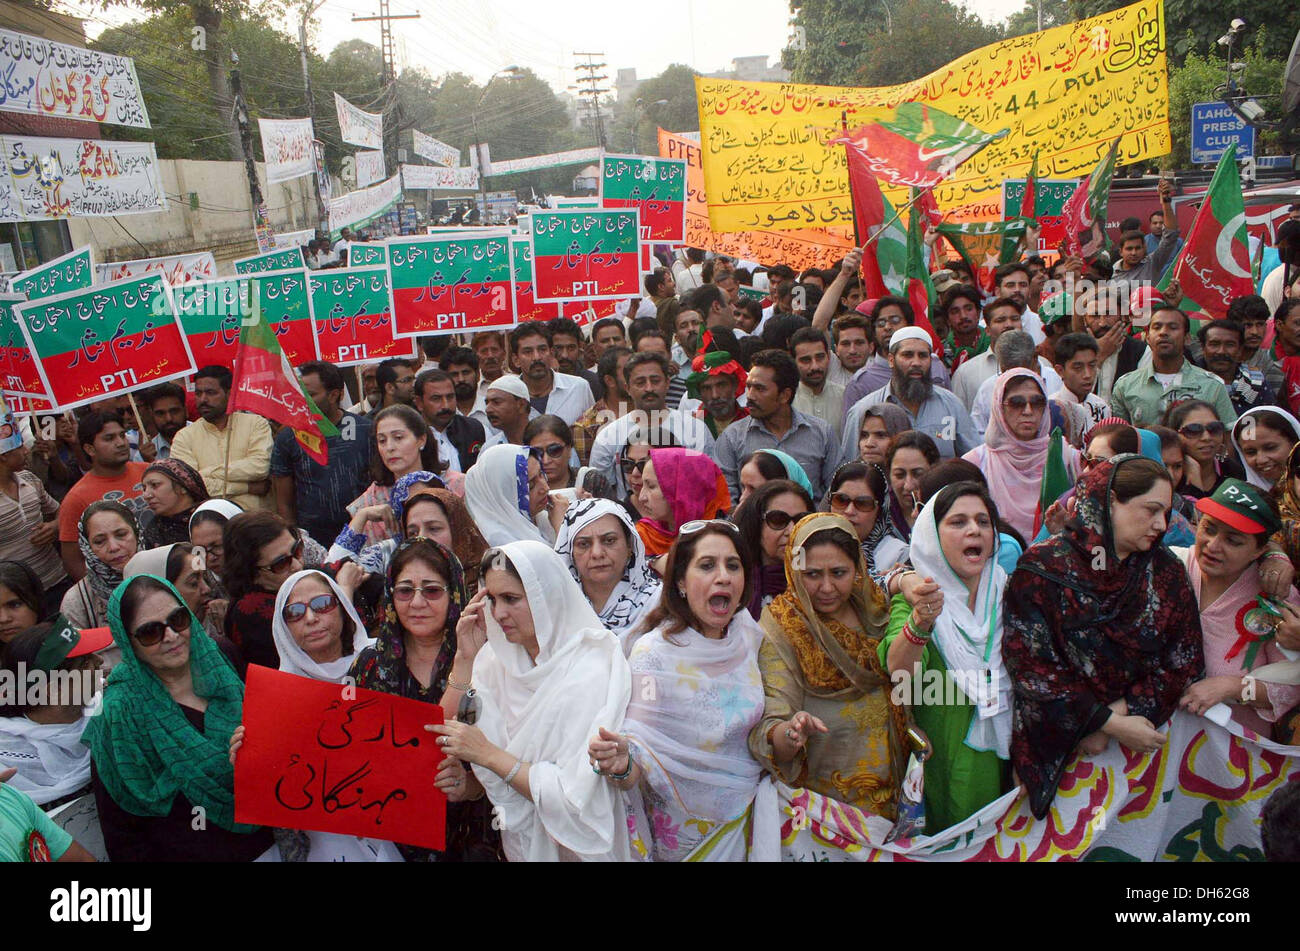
{"x":1214,"y":128}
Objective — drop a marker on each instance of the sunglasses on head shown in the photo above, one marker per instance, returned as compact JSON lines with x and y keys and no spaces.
{"x":840,"y":501}
{"x":555,"y":451}
{"x":633,"y":465}
{"x":431,"y":591}
{"x":691,"y":527}
{"x":1196,"y":430}
{"x":321,"y":604}
{"x":281,"y":563}
{"x":1018,"y":402}
{"x":152,"y":632}
{"x":777,"y":520}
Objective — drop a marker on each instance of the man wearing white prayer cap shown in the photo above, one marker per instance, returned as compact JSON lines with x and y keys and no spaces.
{"x":507,"y":407}
{"x":935,"y":411}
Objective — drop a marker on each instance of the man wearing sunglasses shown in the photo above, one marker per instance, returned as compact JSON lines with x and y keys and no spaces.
{"x":1142,"y":396}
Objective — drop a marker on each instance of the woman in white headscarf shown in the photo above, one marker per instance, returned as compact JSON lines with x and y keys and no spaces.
{"x":955,"y":633}
{"x":548,"y":677}
{"x":506,"y":492}
{"x":1264,"y":437}
{"x":318,"y":634}
{"x":606,"y":556}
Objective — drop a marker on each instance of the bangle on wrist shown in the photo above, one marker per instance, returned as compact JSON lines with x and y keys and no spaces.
{"x":620,"y":777}
{"x":451,"y":682}
{"x":913,"y":637}
{"x":514,"y":771}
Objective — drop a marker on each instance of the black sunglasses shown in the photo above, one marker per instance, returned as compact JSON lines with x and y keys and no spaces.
{"x":554,"y":450}
{"x":321,"y":604}
{"x":840,"y":501}
{"x":1196,"y":430}
{"x":152,"y":632}
{"x":283,"y":561}
{"x":633,"y":465}
{"x":1018,"y":402}
{"x":777,"y":520}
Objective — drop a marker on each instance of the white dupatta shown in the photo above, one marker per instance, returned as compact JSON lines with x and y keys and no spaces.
{"x":546,"y":713}
{"x":293,"y":659}
{"x":969,"y":640}
{"x":50,"y":758}
{"x":496,"y":493}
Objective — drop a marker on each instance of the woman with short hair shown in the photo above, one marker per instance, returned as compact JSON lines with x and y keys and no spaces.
{"x":682,"y":755}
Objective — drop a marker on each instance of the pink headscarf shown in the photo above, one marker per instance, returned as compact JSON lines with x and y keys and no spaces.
{"x":1013,"y":468}
{"x":693,"y":486}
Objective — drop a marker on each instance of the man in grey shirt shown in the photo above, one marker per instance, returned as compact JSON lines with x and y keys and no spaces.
{"x":773,"y":423}
{"x":932,"y":410}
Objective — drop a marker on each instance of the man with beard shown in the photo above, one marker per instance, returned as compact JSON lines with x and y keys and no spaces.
{"x":1142,"y":396}
{"x":508,"y":410}
{"x":817,"y":396}
{"x":615,"y":403}
{"x":166,"y":403}
{"x":1118,"y":352}
{"x":369,"y":389}
{"x":232,"y":451}
{"x":888,"y":316}
{"x":312,"y":496}
{"x":719,"y":381}
{"x":933,"y":410}
{"x":558,"y":394}
{"x":1221,"y":342}
{"x":567,"y":349}
{"x":774,"y":423}
{"x":459,"y":438}
{"x":646,"y":376}
{"x":461,"y":364}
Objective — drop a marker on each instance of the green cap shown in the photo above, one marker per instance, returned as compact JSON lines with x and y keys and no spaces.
{"x":66,"y":641}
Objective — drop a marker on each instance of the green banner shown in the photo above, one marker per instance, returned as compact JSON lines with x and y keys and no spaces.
{"x":360,"y":255}
{"x":72,"y":272}
{"x":105,"y":340}
{"x":288,"y":259}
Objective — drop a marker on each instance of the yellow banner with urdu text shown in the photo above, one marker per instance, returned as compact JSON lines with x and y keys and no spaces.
{"x":1066,"y":93}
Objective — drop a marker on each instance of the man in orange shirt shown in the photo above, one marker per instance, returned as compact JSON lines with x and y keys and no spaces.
{"x":112,"y":476}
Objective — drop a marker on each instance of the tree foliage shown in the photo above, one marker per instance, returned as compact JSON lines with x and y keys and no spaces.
{"x":934,"y":33}
{"x":680,"y":114}
{"x":1196,"y":25}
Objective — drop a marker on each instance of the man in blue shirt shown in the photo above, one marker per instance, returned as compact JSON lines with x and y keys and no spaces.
{"x":307,"y":494}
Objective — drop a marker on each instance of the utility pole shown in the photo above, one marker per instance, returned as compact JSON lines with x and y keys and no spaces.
{"x":388,"y":78}
{"x":589,"y":85}
{"x":322,"y":196}
{"x":261,"y":222}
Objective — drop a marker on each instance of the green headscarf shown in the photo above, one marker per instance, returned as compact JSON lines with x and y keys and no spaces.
{"x":144,"y":748}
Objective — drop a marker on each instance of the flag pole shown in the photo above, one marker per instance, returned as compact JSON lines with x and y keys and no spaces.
{"x":853,"y":205}
{"x":898,"y":213}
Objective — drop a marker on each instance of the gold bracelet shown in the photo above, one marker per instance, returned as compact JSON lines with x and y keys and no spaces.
{"x":451,"y":682}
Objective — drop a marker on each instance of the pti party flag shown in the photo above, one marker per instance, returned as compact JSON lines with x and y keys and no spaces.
{"x":984,"y":245}
{"x":106,"y":339}
{"x":447,"y":283}
{"x":1086,"y":209}
{"x":880,"y":230}
{"x":1056,"y":480}
{"x":264,"y":383}
{"x":919,"y":146}
{"x":655,"y":185}
{"x":1029,"y":200}
{"x":920,"y":289}
{"x":1214,"y":265}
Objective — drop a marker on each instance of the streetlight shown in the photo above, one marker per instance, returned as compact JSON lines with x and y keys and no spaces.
{"x":513,"y":72}
{"x":636,"y":118}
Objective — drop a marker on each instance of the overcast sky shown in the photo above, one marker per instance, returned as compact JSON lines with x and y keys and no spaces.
{"x":479,"y":37}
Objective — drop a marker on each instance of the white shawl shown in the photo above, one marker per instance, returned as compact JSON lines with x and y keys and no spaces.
{"x":50,"y":758}
{"x":1253,"y":477}
{"x":689,"y":720}
{"x":969,"y":641}
{"x":546,"y":713}
{"x":293,"y":659}
{"x":496,"y":493}
{"x":637,"y":592}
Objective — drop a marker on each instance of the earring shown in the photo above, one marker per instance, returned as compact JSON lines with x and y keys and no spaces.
{"x":681,"y":590}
